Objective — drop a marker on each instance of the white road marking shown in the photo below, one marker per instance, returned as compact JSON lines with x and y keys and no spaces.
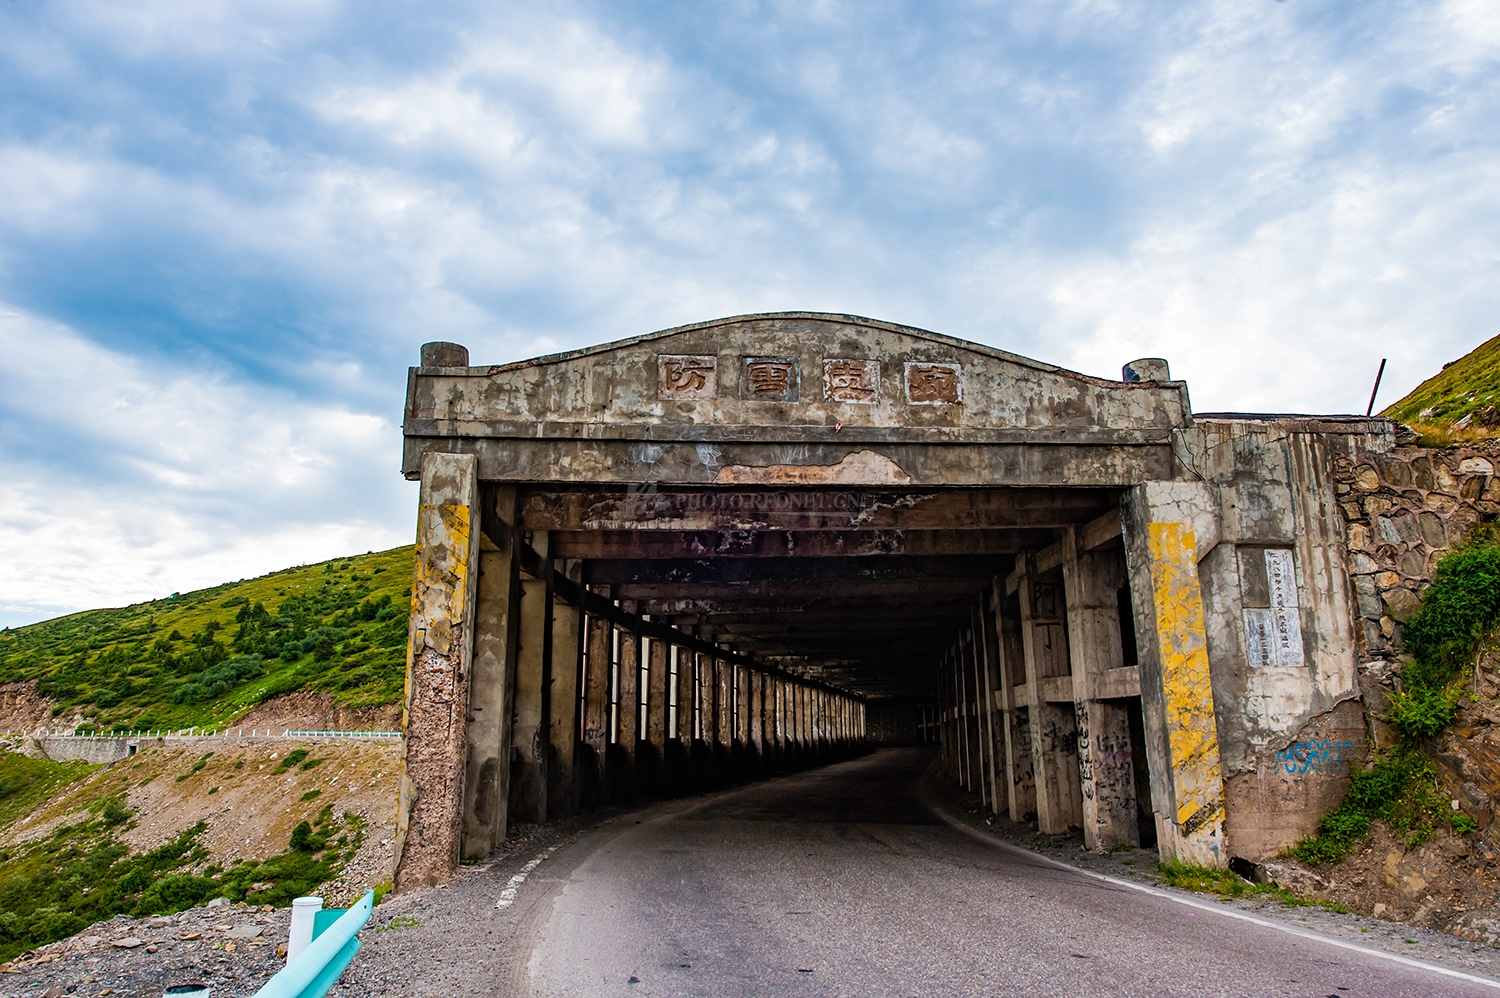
{"x":508,"y":895}
{"x":1216,"y":909}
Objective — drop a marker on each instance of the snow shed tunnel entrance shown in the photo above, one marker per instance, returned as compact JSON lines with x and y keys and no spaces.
{"x":723,"y":550}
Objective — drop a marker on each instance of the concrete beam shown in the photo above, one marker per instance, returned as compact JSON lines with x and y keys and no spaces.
{"x":632,"y":544}
{"x":727,"y":510}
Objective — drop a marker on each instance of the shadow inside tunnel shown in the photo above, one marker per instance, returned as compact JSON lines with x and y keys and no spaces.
{"x":880,"y":788}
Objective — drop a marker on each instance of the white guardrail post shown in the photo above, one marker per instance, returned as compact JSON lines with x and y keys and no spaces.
{"x":313,"y":971}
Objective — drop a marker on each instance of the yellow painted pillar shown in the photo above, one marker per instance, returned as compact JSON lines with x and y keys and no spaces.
{"x":1166,"y":523}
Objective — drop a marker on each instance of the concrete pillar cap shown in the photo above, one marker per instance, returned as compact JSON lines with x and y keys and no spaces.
{"x":1146,"y":369}
{"x":442,"y":354}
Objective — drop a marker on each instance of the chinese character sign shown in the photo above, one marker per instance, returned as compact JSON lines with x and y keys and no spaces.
{"x":856,"y":381}
{"x":769,"y":379}
{"x":934,"y":384}
{"x":685,"y":377}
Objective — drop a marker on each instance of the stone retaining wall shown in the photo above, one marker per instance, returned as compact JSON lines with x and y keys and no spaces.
{"x":1405,"y":509}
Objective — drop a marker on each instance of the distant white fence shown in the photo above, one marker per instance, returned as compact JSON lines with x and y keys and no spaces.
{"x":199,"y":734}
{"x":112,"y":746}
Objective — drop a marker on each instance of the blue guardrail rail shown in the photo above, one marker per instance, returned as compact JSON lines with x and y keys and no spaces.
{"x":313,"y":971}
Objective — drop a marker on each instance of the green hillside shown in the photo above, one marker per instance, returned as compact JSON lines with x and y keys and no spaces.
{"x":203,"y":658}
{"x":1460,"y":401}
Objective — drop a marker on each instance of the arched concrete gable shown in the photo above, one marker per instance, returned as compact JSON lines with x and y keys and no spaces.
{"x":833,"y":399}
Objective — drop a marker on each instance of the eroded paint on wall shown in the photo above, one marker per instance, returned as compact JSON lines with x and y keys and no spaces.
{"x":1187,"y":690}
{"x":437,"y":680}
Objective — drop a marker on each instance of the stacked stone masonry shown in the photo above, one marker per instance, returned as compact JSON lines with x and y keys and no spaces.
{"x":1405,"y":509}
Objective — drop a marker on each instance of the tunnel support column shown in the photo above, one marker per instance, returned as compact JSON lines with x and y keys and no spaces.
{"x":1054,"y":741}
{"x":492,"y":677}
{"x":984,"y":637}
{"x":440,"y":651}
{"x":1020,"y":785}
{"x":528,"y":778}
{"x":622,"y":761}
{"x":651,"y":755}
{"x":563,"y":739}
{"x":597,"y":665}
{"x":1164,"y":523}
{"x":1091,"y":581}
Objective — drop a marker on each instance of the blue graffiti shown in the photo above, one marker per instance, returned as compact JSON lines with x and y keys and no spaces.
{"x":1319,"y":756}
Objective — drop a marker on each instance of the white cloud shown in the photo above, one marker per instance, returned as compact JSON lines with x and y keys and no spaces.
{"x":1270,"y":195}
{"x":136,"y":481}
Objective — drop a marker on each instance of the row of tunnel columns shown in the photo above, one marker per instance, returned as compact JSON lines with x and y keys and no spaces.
{"x":1039,"y":708}
{"x":531,"y":695}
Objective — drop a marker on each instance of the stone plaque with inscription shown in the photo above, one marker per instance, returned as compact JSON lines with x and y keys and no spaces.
{"x":934,"y":384}
{"x":769,"y":379}
{"x":686,"y":377}
{"x":855,"y":381}
{"x":1273,"y":634}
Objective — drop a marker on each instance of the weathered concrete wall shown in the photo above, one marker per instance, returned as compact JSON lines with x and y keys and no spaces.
{"x":867,"y":399}
{"x":1278,"y":612}
{"x":93,"y":750}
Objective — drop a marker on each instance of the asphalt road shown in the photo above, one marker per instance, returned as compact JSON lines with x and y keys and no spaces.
{"x":841,"y":881}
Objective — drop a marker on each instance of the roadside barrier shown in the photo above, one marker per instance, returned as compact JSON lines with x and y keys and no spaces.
{"x":310,"y":973}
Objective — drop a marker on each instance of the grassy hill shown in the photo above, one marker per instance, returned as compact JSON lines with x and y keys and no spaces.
{"x":1462,"y":401}
{"x":204,"y":658}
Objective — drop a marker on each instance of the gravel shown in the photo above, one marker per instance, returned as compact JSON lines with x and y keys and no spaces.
{"x":233,"y":948}
{"x":455,"y":940}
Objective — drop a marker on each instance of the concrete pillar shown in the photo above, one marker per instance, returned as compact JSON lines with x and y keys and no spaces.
{"x":563,"y":739}
{"x":961,"y":719}
{"x":1020,"y":789}
{"x":756,"y":737}
{"x":724,"y":718}
{"x":440,"y":650}
{"x":1163,"y":522}
{"x":492,"y":677}
{"x":597,"y":667}
{"x":968,"y":647}
{"x":624,"y":781}
{"x":1091,"y":582}
{"x":1054,"y":740}
{"x":984,"y":650}
{"x":528,"y":776}
{"x":651,"y":754}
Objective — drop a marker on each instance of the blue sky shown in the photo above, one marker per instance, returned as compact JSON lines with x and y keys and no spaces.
{"x":225,"y":228}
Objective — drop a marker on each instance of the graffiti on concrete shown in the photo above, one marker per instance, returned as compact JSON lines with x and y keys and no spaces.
{"x":1322,"y":755}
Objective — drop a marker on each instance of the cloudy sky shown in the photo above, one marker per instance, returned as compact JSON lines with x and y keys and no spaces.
{"x":225,"y":227}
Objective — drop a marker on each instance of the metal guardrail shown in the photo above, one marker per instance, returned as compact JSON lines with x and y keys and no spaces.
{"x":312,"y":972}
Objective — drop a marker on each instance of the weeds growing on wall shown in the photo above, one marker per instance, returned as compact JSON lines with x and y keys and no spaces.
{"x":1459,"y":613}
{"x":1400,"y":789}
{"x":202,"y":658}
{"x":81,"y":874}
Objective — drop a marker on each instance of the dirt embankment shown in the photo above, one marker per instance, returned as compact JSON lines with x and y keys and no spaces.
{"x":307,"y":710}
{"x":22,"y":708}
{"x":1448,"y":882}
{"x":249,"y":802}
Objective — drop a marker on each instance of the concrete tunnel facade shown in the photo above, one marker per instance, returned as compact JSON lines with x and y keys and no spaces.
{"x":733,"y":548}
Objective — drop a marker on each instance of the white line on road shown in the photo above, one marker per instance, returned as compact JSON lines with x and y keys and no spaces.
{"x":508,"y":895}
{"x":1216,"y":909}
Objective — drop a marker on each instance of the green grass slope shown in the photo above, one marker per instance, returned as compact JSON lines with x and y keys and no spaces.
{"x":204,"y":658}
{"x":1465,"y":392}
